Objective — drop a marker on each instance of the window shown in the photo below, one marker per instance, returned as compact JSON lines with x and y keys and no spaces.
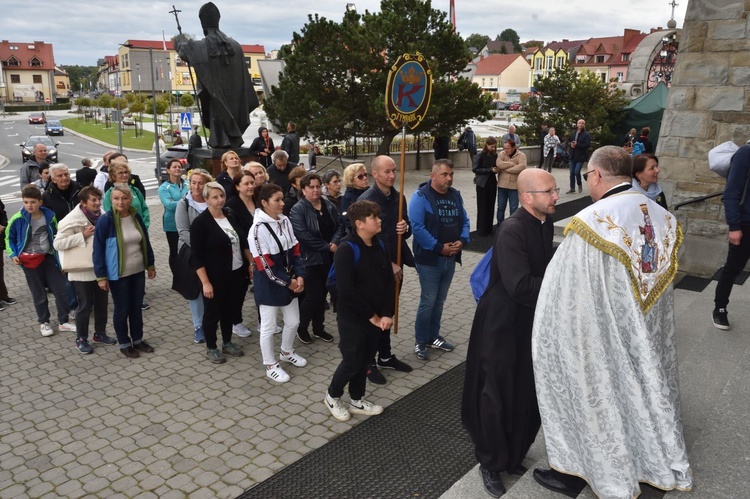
{"x":35,"y":63}
{"x":37,"y":78}
{"x":620,"y":76}
{"x":625,"y":57}
{"x":538,"y":64}
{"x":492,"y":82}
{"x":13,"y":62}
{"x":549,"y":62}
{"x":482,"y":81}
{"x":560,"y":61}
{"x":599,"y":59}
{"x":603,"y":77}
{"x":15,"y":78}
{"x":580,"y":59}
{"x":60,"y":84}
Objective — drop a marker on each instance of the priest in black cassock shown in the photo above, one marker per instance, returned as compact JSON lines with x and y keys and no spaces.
{"x":499,"y":406}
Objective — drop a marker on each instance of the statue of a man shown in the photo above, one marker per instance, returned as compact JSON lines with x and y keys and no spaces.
{"x":224,"y":87}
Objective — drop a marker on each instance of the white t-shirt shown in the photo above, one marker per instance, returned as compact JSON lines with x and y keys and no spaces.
{"x":234,"y":238}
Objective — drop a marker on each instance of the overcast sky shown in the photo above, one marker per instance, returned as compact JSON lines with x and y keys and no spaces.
{"x":83,"y":31}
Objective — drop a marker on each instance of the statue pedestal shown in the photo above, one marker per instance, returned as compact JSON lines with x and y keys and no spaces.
{"x":210,"y":159}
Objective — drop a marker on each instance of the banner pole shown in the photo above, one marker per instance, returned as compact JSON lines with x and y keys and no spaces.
{"x":400,"y":217}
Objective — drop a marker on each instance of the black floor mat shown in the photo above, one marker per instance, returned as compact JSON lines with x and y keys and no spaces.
{"x":416,"y":448}
{"x":693,"y":283}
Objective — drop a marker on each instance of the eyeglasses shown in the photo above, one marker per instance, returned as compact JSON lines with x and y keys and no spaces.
{"x":549,"y":192}
{"x":586,"y":175}
{"x":362,"y":176}
{"x":122,"y":173}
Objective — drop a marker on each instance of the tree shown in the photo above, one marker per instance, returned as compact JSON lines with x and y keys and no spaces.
{"x":187,"y":100}
{"x":565,"y":97}
{"x":476,"y":40}
{"x":343,"y":94}
{"x":81,"y":77}
{"x":129,"y":98}
{"x":510,"y":35}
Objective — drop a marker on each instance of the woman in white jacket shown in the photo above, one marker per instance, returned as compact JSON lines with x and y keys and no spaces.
{"x":74,"y":242}
{"x":278,"y":279}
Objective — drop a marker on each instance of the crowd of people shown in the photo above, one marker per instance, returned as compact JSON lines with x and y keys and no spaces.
{"x":301,"y":246}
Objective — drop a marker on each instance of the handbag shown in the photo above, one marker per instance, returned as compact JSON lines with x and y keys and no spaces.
{"x":76,"y":259}
{"x":32,"y":260}
{"x":185,"y":280}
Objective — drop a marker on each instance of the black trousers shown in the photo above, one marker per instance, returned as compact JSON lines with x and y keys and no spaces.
{"x":90,"y":296}
{"x":486,"y":207}
{"x":222,"y":308}
{"x":359,"y":341}
{"x":737,"y":257}
{"x":3,"y":289}
{"x":312,"y":306}
{"x":172,"y":238}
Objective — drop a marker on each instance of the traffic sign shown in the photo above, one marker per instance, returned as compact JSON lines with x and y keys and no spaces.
{"x":185,"y":122}
{"x":46,"y":100}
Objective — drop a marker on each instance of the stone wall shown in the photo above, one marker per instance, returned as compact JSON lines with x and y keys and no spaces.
{"x":709,"y":103}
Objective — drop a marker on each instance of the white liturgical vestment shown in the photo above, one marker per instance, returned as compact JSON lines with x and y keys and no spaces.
{"x":603,"y":344}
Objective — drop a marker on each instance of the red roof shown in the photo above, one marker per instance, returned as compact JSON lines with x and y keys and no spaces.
{"x":25,"y":52}
{"x":494,"y":64}
{"x":565,"y":45}
{"x":159,"y":45}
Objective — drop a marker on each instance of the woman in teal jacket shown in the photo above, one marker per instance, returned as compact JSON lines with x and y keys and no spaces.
{"x":122,"y":255}
{"x":170,"y":193}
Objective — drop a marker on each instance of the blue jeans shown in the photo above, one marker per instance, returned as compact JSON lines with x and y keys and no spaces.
{"x":575,"y":173}
{"x":503,"y":197}
{"x":435,"y":282}
{"x":127,"y":296}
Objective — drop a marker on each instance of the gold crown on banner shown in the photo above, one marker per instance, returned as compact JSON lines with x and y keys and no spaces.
{"x":412,"y":76}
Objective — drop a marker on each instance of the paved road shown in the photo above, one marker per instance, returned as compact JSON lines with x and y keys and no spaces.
{"x":72,"y":149}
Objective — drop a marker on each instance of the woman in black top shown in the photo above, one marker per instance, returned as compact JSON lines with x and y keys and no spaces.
{"x":230,"y":166}
{"x":486,"y":185}
{"x":221,"y":259}
{"x":262,"y":147}
{"x":317,"y":227}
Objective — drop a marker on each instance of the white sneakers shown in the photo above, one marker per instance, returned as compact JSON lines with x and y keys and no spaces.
{"x":340,"y":412}
{"x":67,"y":326}
{"x":276,"y":373}
{"x":293,"y":358}
{"x":337,"y":408}
{"x":46,"y":330}
{"x":364,"y":407}
{"x":241,"y":331}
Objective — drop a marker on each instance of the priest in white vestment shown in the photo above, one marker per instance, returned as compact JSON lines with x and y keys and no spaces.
{"x":603,"y":344}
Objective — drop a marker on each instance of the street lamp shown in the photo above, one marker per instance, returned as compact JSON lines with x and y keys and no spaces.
{"x":119,"y":109}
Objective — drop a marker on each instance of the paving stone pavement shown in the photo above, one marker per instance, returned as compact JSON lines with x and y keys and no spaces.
{"x":171,"y":424}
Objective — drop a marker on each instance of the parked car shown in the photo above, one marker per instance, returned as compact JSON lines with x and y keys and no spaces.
{"x":516,"y":106}
{"x":54,"y":127}
{"x":179,"y":151}
{"x":38,"y":118}
{"x":501,"y":106}
{"x":27,"y":148}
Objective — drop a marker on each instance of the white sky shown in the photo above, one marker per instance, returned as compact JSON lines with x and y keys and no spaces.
{"x":83,"y":31}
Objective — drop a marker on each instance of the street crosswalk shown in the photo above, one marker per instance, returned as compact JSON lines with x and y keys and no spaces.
{"x":10,"y":178}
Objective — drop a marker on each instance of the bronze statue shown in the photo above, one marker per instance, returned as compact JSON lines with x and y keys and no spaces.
{"x":224,"y":89}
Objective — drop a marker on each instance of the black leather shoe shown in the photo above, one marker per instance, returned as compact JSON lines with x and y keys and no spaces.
{"x":568,"y":485}
{"x":493,"y":484}
{"x":375,"y":376}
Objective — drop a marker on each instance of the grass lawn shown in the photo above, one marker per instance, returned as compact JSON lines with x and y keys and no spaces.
{"x":109,"y":135}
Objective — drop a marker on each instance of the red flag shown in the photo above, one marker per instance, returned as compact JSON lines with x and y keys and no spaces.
{"x":453,"y":13}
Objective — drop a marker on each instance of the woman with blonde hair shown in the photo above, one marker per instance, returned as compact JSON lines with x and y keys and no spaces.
{"x":230,"y":166}
{"x":120,"y":174}
{"x":188,"y":209}
{"x":356,"y":181}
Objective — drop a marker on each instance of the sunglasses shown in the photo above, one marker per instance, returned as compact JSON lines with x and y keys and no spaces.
{"x":362,"y":176}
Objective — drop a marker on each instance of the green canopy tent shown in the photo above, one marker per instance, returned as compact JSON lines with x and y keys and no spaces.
{"x":646,"y":110}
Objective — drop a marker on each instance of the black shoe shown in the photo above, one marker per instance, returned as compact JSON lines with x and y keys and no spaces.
{"x":323,"y":336}
{"x":2,"y":306}
{"x":144,"y":347}
{"x":568,"y":485}
{"x":130,"y":352}
{"x":720,"y":319}
{"x":375,"y":376}
{"x":304,"y":337}
{"x":394,"y":363}
{"x":493,"y":484}
{"x":145,"y":305}
{"x":8,"y":301}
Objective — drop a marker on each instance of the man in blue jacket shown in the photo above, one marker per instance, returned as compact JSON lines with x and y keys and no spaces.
{"x":737,"y":211}
{"x":441,"y":229}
